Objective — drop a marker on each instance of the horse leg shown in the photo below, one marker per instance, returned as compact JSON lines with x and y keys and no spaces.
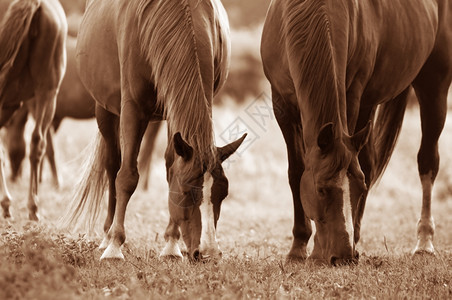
{"x":132,"y":128}
{"x":15,"y":141}
{"x":108,"y":124}
{"x":144,"y":161}
{"x":292,"y":132}
{"x":172,"y":236}
{"x":50,"y":154}
{"x":43,"y":111}
{"x":4,"y":192}
{"x":433,"y":108}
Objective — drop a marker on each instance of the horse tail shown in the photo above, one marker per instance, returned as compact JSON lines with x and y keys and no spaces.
{"x":13,"y":29}
{"x":168,"y":41}
{"x":386,"y":130}
{"x":88,"y":194}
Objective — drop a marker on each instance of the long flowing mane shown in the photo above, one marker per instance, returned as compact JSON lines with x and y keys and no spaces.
{"x":168,"y":42}
{"x":313,"y":68}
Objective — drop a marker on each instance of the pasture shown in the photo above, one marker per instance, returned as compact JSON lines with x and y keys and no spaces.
{"x":43,"y":261}
{"x":39,"y":261}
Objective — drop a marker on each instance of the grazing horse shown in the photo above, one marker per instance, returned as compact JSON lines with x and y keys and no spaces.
{"x":73,"y":101}
{"x":146,"y":60}
{"x":32,"y":65}
{"x":340,"y":72}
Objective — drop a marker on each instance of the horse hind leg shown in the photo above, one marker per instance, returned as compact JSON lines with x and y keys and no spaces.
{"x":108,"y":126}
{"x":131,"y":133}
{"x":144,"y":159}
{"x":432,"y":92}
{"x":43,"y":111}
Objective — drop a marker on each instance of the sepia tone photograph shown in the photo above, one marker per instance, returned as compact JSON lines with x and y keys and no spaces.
{"x":225,"y":149}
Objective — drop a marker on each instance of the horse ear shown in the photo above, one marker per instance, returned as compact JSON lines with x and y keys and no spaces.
{"x":182,"y":148}
{"x":325,"y":140}
{"x":226,"y":151}
{"x":361,"y":138}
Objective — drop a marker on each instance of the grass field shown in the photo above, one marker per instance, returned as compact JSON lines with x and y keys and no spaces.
{"x":39,"y":261}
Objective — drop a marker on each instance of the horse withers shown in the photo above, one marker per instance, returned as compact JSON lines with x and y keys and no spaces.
{"x":340,"y":72}
{"x":32,"y":64}
{"x":147,"y":60}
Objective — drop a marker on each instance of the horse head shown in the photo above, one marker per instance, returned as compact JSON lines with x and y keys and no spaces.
{"x":331,"y":186}
{"x":196,"y":194}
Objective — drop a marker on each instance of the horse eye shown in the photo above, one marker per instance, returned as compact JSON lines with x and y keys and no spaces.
{"x":322,"y":192}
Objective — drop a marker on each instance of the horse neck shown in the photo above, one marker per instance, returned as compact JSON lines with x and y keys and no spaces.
{"x":313,"y":67}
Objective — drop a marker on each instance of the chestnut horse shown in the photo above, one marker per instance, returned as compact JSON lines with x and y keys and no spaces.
{"x":145,"y":60}
{"x":73,"y":101}
{"x":32,"y":65}
{"x":340,"y":72}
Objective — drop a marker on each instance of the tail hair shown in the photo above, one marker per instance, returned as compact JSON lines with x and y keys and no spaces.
{"x":88,"y":194}
{"x":386,"y":130}
{"x":13,"y":29}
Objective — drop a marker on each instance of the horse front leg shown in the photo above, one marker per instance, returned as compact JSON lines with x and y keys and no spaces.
{"x":290,"y":124}
{"x":172,"y":236}
{"x":43,"y":110}
{"x":131,"y":131}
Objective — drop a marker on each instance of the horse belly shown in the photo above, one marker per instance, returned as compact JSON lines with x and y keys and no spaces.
{"x":97,"y":57}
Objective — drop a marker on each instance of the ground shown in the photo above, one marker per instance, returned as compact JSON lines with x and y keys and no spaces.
{"x":39,"y":260}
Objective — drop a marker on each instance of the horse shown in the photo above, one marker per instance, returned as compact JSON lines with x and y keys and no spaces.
{"x":147,"y":60}
{"x":340,"y":73}
{"x":32,"y":65}
{"x":73,"y":101}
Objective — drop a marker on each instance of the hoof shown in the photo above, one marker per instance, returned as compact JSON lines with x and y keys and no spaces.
{"x":32,"y":216}
{"x":295,"y":258}
{"x":112,"y":252}
{"x":208,"y":255}
{"x":104,"y":244}
{"x":6,"y":202}
{"x":424,"y":247}
{"x":171,"y":251}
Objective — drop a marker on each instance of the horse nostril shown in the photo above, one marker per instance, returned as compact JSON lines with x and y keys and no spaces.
{"x":333,"y":260}
{"x":196,"y":255}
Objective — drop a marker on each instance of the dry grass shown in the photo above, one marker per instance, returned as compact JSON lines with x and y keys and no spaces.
{"x":41,"y":262}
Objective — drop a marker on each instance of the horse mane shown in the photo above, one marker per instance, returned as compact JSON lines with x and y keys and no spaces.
{"x":13,"y":30}
{"x":169,"y":45}
{"x":313,"y":67}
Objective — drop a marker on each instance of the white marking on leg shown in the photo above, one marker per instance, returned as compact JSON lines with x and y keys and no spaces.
{"x":113,"y":251}
{"x":426,"y":224}
{"x":347,"y":211}
{"x":171,"y":249}
{"x":104,"y":244}
{"x":209,"y":244}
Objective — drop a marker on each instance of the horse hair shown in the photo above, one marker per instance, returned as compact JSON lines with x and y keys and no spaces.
{"x":168,"y":42}
{"x":313,"y":67}
{"x":90,"y":190}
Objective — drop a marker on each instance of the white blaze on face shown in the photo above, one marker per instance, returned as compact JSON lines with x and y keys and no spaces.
{"x":347,"y":210}
{"x":209,"y":244}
